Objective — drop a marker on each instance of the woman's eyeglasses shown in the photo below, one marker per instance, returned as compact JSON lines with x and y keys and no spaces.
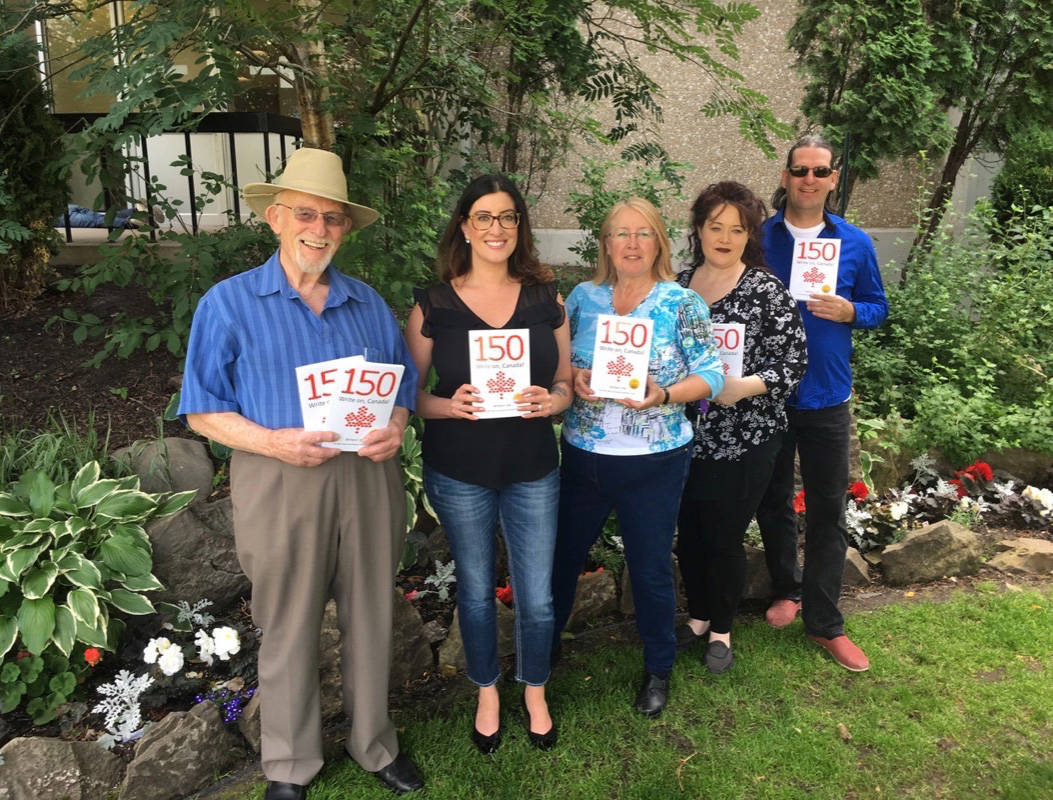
{"x":484,"y":220}
{"x":819,"y":172}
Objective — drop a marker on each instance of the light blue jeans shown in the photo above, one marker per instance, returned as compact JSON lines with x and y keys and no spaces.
{"x":527,"y":511}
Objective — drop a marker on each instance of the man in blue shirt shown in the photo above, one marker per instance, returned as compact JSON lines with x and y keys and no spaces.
{"x":818,"y":413}
{"x":310,"y":522}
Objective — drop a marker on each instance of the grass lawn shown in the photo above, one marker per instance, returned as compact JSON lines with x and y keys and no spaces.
{"x":958,"y":703}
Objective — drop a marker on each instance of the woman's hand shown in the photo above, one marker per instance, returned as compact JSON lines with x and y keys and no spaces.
{"x":655,"y":397}
{"x":535,"y":401}
{"x":582,"y":389}
{"x":737,"y":388}
{"x":465,"y":402}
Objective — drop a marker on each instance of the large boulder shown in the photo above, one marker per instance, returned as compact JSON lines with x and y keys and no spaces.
{"x":627,"y":606}
{"x":36,"y":768}
{"x":1024,"y":555}
{"x":758,"y":579}
{"x":194,"y":556}
{"x":857,"y":571}
{"x":451,"y":651}
{"x":170,"y":465}
{"x":181,"y":754}
{"x":1025,"y":465}
{"x":935,"y":551}
{"x":597,"y":596}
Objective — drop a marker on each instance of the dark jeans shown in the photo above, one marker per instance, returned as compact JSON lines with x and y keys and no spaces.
{"x":719,"y":501}
{"x":645,"y":491}
{"x":821,"y":440}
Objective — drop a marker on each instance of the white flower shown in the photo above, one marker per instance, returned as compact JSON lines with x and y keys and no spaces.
{"x":226,"y":642}
{"x":1003,"y":490}
{"x":171,"y":660}
{"x":206,"y":647}
{"x":154,"y":648}
{"x":898,"y":510}
{"x":969,"y":504}
{"x":1041,"y":499}
{"x":854,"y":518}
{"x":945,"y":489}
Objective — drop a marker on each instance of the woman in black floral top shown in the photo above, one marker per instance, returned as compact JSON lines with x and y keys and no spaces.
{"x":759,"y":329}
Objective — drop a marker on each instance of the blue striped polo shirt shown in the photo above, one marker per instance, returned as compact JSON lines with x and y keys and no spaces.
{"x":251,"y":331}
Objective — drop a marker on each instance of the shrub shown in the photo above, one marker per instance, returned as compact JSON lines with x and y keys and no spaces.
{"x":33,"y":175}
{"x":70,"y":555}
{"x":1026,"y":178}
{"x":964,"y":356}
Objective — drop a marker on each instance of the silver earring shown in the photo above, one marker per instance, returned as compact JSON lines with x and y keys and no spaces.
{"x":467,"y":240}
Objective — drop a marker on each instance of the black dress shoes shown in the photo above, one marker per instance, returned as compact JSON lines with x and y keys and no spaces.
{"x":279,"y":790}
{"x":718,"y":658}
{"x":653,"y":695}
{"x":686,"y":637}
{"x":400,"y":775}
{"x":486,"y":744}
{"x":542,"y":741}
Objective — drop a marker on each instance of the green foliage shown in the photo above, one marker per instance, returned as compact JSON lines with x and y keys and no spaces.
{"x":965,"y":355}
{"x":33,"y":173}
{"x":867,"y":66}
{"x":59,"y":451}
{"x":71,"y":555}
{"x":1026,"y":178}
{"x":658,"y":184}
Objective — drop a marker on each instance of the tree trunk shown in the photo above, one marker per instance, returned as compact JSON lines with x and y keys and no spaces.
{"x":312,"y":90}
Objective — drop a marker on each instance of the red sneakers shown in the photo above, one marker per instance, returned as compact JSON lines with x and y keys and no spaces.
{"x":782,"y":612}
{"x":844,"y":651}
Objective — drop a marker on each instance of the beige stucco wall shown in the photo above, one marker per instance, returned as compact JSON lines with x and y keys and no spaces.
{"x":716,"y":149}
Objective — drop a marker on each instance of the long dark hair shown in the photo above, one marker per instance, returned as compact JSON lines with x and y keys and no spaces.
{"x":455,"y":254}
{"x":778,"y":199}
{"x":751,"y":211}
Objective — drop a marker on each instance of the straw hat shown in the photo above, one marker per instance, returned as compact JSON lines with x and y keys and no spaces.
{"x":310,"y":171}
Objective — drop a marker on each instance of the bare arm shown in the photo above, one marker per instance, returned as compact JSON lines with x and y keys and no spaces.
{"x":461,"y":405}
{"x":538,"y":401}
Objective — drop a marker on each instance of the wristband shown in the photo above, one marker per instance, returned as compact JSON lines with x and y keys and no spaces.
{"x":666,"y":400}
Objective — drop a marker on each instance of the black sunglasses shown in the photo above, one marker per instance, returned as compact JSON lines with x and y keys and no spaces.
{"x":819,"y":172}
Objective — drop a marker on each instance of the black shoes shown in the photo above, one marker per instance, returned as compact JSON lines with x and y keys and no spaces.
{"x":542,"y":741}
{"x":653,"y":695}
{"x":718,"y":657}
{"x":487,"y":745}
{"x":400,"y":776}
{"x":279,"y":790}
{"x":685,"y":637}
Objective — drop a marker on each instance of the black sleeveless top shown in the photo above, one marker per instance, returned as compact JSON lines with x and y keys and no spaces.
{"x":489,"y":452}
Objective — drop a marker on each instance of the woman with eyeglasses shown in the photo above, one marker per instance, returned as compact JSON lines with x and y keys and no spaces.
{"x":632,"y":456}
{"x":478,"y":471}
{"x":738,"y":433}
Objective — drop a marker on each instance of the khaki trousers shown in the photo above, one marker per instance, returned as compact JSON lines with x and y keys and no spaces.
{"x":303,"y":535}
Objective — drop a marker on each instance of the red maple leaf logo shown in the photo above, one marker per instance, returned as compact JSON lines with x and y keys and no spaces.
{"x":814,"y":275}
{"x":619,"y":367}
{"x":500,"y":384}
{"x":362,"y":418}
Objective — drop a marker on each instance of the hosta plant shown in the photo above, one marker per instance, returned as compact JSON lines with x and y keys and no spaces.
{"x":71,"y":555}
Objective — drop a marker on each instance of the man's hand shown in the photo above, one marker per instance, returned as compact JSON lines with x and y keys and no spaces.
{"x":301,"y":448}
{"x":383,"y":443}
{"x":832,"y":307}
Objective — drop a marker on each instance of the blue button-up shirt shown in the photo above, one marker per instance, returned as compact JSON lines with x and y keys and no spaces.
{"x":251,"y":331}
{"x":828,"y":380}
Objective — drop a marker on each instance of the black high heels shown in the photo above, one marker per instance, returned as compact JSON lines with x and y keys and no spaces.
{"x":542,"y":741}
{"x":486,"y":744}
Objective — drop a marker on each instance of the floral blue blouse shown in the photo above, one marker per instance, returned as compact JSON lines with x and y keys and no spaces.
{"x":682,"y":345}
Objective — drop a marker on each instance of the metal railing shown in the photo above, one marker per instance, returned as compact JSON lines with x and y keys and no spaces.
{"x":226,"y":122}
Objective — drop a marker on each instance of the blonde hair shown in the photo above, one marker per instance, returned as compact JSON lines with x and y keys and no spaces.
{"x":662,"y":269}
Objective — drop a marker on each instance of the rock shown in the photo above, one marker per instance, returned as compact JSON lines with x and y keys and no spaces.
{"x":935,"y":551}
{"x":758,"y":580}
{"x":857,"y":572}
{"x":170,"y":465}
{"x":855,"y":470}
{"x":332,"y":688}
{"x":1024,"y":555}
{"x":1025,"y":465}
{"x":434,"y":631}
{"x":249,"y":722}
{"x":625,"y":600}
{"x":38,"y":768}
{"x":597,"y":596}
{"x":194,"y":556}
{"x":451,"y":652}
{"x":411,"y":654}
{"x":181,"y":754}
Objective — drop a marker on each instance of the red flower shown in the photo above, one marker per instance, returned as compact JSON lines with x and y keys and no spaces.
{"x":504,"y":594}
{"x":93,"y":656}
{"x":411,"y":595}
{"x":859,"y":491}
{"x":980,"y":471}
{"x":798,"y":503}
{"x":962,"y":491}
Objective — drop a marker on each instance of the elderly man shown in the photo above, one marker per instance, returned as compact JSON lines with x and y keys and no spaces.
{"x":310,"y":522}
{"x":817,"y":412}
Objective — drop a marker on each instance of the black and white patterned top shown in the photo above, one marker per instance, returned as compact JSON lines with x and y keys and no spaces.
{"x":774,"y":350}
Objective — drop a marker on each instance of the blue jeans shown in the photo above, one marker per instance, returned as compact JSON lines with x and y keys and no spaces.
{"x":644,"y":490}
{"x":469,"y":514}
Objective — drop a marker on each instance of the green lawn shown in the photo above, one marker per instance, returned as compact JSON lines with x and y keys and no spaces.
{"x":958,"y":703}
